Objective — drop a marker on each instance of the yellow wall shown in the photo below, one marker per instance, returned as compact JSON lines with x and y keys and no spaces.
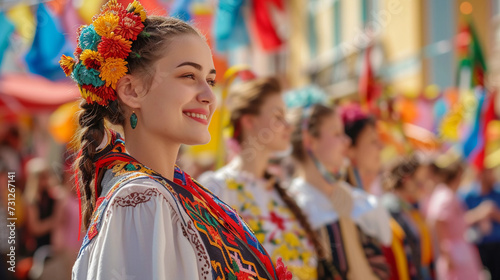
{"x":324,"y":25}
{"x":351,"y":20}
{"x":402,"y":40}
{"x":298,"y":44}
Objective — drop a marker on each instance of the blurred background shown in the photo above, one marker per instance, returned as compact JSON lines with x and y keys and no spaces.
{"x":429,"y":70}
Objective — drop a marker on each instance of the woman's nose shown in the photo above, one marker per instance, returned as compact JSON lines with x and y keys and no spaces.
{"x":206,"y":95}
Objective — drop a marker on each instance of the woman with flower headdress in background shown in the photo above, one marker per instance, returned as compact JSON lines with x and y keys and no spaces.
{"x":363,"y":173}
{"x":145,"y":217}
{"x":257,"y":115}
{"x":364,"y":150}
{"x":340,"y":214}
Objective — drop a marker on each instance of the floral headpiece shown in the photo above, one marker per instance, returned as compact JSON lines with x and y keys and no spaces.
{"x":103,"y":46}
{"x":352,"y":113}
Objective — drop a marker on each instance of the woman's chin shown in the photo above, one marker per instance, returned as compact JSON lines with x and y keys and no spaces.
{"x":198,"y":140}
{"x":279,"y":147}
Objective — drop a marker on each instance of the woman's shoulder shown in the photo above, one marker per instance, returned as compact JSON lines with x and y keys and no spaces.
{"x":299,"y":186}
{"x":134,"y":195}
{"x":133,"y":199}
{"x":134,"y":184}
{"x":316,"y":206}
{"x":442,"y":197}
{"x":140,"y":190}
{"x":216,"y":181}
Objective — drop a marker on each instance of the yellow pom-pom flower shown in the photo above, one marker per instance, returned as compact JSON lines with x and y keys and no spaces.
{"x":90,"y":96}
{"x":112,"y":70}
{"x":67,"y":63}
{"x":136,"y":8}
{"x":91,"y":59}
{"x":106,"y":24}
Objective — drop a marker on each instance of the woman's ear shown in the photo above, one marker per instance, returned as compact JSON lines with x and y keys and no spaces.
{"x":306,"y":140}
{"x":130,"y":91}
{"x":351,"y":152}
{"x":246,"y":122}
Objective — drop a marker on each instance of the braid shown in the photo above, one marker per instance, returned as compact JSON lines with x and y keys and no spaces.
{"x":90,"y":134}
{"x":326,"y":269}
{"x":297,"y":212}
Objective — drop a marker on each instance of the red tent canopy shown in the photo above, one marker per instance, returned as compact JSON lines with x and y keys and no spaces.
{"x":29,"y":93}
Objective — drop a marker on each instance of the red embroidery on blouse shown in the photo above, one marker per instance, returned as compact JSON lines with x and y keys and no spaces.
{"x":190,"y":233}
{"x":136,"y":198}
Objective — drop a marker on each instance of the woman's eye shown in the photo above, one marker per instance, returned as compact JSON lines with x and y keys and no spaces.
{"x":190,"y":76}
{"x":212,"y":83}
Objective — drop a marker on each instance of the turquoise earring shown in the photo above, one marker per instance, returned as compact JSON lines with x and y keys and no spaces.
{"x":133,"y":120}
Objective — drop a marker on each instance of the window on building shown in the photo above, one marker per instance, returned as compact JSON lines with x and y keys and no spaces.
{"x":440,"y":30}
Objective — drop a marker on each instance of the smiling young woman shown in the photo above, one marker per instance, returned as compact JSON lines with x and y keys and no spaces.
{"x":145,"y":217}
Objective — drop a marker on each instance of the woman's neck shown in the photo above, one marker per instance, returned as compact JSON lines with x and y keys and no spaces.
{"x":311,"y":174}
{"x":404,"y":196}
{"x":156,"y":153}
{"x":255,"y":163}
{"x":367,"y":178}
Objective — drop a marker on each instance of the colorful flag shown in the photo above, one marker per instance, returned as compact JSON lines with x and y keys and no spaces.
{"x":472,"y":65}
{"x":24,"y":21}
{"x":88,"y":8}
{"x":5,"y":32}
{"x":475,"y":145}
{"x":71,"y":21}
{"x":264,"y":26}
{"x":48,"y":46}
{"x":230,"y":31}
{"x":369,"y":89}
{"x":180,"y":9}
{"x":152,"y":7}
{"x":470,"y":76}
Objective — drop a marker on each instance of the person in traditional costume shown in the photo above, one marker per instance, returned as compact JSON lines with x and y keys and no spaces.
{"x":456,"y":258}
{"x":342,"y":215}
{"x":260,"y":130}
{"x":364,"y":151}
{"x":145,"y":217}
{"x":411,"y":254}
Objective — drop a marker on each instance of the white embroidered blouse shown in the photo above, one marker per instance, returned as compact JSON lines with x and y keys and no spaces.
{"x":261,"y":206}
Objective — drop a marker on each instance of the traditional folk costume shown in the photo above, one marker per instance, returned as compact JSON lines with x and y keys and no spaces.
{"x":445,"y":207}
{"x":411,"y":251}
{"x":147,"y":227}
{"x":262,"y":207}
{"x":347,"y":224}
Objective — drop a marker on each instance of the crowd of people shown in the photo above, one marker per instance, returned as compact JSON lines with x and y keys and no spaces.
{"x":357,"y":217}
{"x":309,"y":181}
{"x":45,"y":211}
{"x":304,"y":195}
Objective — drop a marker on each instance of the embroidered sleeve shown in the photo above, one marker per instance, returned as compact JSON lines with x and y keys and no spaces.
{"x":141,"y":238}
